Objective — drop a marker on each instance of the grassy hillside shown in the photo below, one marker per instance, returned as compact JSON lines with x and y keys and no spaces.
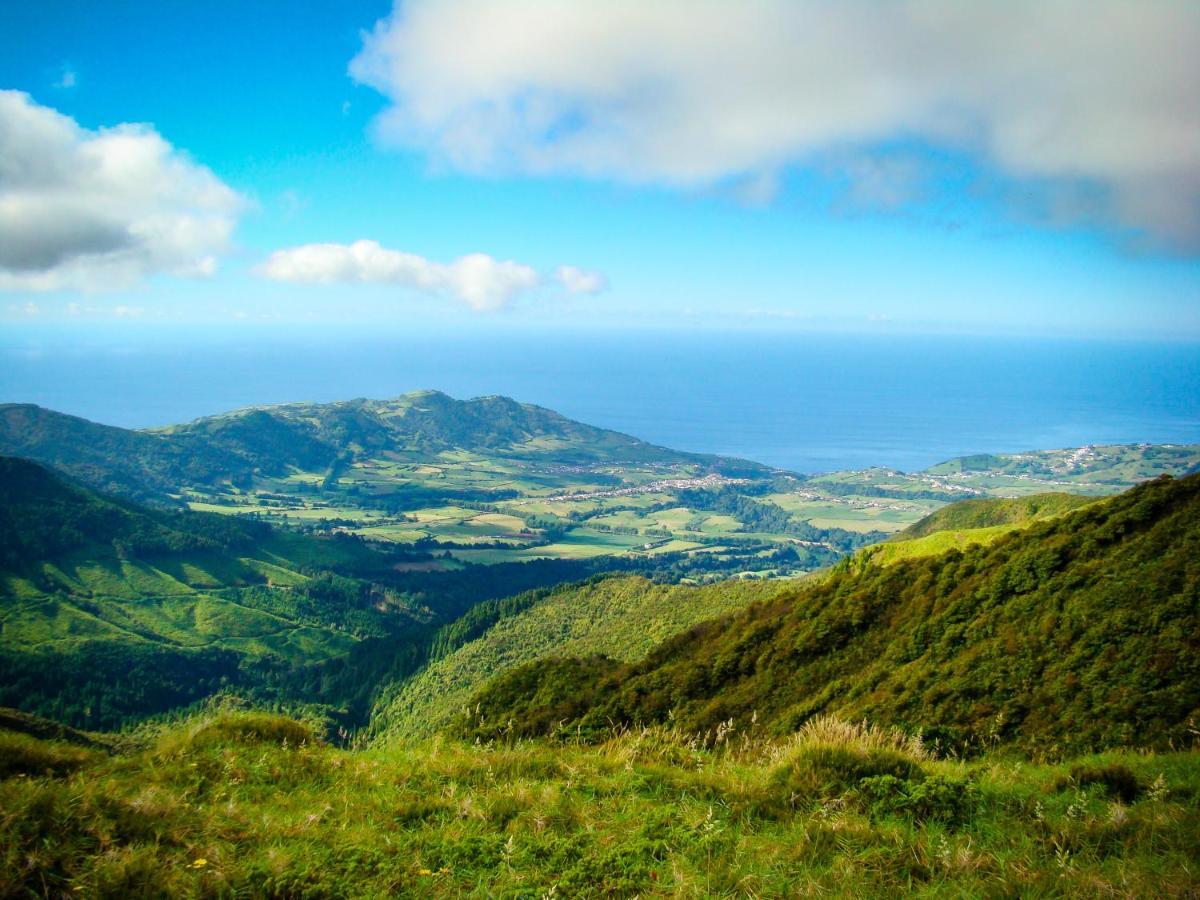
{"x":1077,"y":632}
{"x":144,"y":467}
{"x":621,"y":618}
{"x":935,"y":544}
{"x":111,"y":612}
{"x":245,"y":804}
{"x":992,"y":512}
{"x":968,"y":522}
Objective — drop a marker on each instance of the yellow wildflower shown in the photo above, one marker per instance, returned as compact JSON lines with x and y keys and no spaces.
{"x":200,"y":863}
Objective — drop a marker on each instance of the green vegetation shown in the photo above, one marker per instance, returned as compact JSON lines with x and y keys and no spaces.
{"x":578,"y":717}
{"x":967,"y":522}
{"x":934,"y":544}
{"x":111,"y":613}
{"x":615,"y":617}
{"x":1094,"y":470}
{"x":244,"y":804}
{"x":490,"y":481}
{"x":991,"y":512}
{"x":1076,"y":633}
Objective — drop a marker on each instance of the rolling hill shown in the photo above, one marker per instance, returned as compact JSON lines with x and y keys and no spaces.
{"x":967,"y":522}
{"x":111,"y":612}
{"x":1077,"y":632}
{"x":992,"y":512}
{"x":250,"y":445}
{"x":620,"y":617}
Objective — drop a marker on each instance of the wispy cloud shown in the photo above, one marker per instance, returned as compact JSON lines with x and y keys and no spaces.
{"x":1095,"y":97}
{"x":580,"y":281}
{"x":100,"y":209}
{"x":478,"y":280}
{"x":67,"y":79}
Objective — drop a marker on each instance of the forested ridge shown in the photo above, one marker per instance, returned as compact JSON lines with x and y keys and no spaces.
{"x":1078,"y":632}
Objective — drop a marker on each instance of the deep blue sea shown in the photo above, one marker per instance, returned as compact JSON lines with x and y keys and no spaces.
{"x":801,"y":401}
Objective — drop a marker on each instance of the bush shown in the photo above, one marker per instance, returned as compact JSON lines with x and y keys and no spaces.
{"x":823,"y":771}
{"x":251,"y":728}
{"x":1118,"y":781}
{"x":936,"y":798}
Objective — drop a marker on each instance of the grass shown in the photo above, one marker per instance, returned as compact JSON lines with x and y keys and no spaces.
{"x":245,"y":804}
{"x":623,"y":618}
{"x":934,"y":544}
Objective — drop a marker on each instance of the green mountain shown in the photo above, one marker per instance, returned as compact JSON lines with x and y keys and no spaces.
{"x":1077,"y":632}
{"x":246,"y":446}
{"x":135,"y":464}
{"x":429,"y":422}
{"x":112,"y":612}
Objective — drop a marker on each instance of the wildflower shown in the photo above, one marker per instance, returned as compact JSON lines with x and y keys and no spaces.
{"x":200,"y":863}
{"x":424,"y":871}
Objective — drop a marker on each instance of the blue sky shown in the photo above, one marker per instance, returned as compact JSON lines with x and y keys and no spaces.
{"x":686,"y":178}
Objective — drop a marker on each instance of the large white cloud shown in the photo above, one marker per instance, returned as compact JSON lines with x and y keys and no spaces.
{"x":98,"y":209}
{"x":1091,"y":105}
{"x":481,"y":281}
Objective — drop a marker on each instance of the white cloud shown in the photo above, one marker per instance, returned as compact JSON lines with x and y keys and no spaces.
{"x":100,"y":209}
{"x":479,"y":280}
{"x":1098,"y":98}
{"x":580,"y":281}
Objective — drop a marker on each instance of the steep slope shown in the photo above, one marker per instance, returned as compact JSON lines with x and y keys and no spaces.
{"x":1081,"y":631}
{"x":42,"y":517}
{"x":110,"y":612}
{"x":620,"y":617}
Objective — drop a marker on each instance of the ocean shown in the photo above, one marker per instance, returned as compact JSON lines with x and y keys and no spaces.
{"x":805,"y":402}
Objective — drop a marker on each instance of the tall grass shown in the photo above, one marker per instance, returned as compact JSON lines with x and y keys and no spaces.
{"x":242,"y":803}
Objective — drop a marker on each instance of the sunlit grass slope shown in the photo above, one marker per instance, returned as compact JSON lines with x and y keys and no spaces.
{"x":245,"y":804}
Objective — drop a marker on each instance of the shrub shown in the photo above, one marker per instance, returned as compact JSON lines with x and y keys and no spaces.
{"x":1118,"y":781}
{"x":936,"y":798}
{"x":826,"y":771}
{"x":248,"y":728}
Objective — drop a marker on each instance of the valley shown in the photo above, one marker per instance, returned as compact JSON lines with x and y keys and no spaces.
{"x":490,"y":481}
{"x":443,"y":648}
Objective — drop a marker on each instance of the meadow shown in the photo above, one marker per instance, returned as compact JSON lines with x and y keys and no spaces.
{"x":236,"y":803}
